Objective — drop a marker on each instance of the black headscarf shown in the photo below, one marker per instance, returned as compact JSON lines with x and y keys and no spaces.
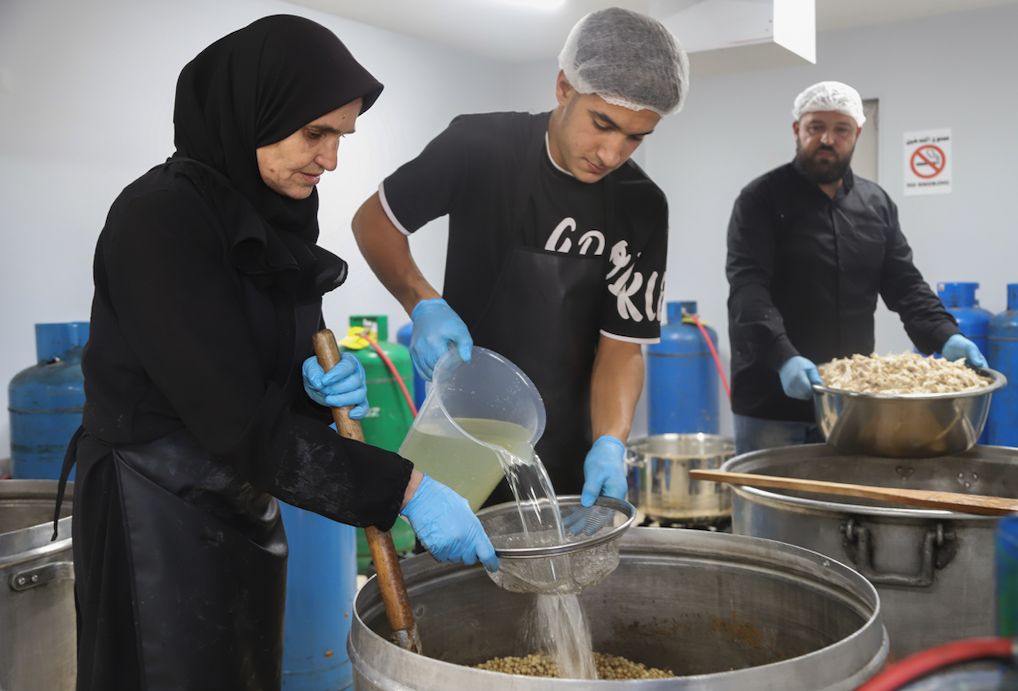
{"x":252,"y":88}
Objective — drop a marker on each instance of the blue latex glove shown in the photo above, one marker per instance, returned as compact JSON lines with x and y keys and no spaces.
{"x":341,"y":386}
{"x":447,"y":527}
{"x":798,"y":375}
{"x":958,"y":347}
{"x":604,"y":471}
{"x":435,"y":327}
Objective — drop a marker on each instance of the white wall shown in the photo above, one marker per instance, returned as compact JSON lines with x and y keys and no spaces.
{"x":86,"y":96}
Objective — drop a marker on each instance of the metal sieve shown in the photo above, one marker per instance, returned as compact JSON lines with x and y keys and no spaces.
{"x":590,"y":551}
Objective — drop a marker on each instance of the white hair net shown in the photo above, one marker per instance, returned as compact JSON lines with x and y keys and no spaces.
{"x":829,"y":96}
{"x":628,"y":59}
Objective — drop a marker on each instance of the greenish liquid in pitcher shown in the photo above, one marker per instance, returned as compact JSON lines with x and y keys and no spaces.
{"x":470,"y":469}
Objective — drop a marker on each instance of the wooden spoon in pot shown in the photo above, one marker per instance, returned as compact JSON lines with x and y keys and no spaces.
{"x":927,"y":499}
{"x":383,"y":552}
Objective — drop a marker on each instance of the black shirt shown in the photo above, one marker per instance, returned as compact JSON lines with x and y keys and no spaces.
{"x":474,"y":170}
{"x":804,"y":272}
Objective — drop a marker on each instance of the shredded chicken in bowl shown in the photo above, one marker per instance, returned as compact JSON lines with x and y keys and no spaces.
{"x":908,"y":373}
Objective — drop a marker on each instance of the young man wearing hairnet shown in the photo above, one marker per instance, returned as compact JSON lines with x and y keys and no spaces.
{"x":810,"y":247}
{"x":557,"y":242}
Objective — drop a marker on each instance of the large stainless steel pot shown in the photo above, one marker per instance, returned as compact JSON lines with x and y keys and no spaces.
{"x":933,"y":569}
{"x":657,"y":468}
{"x":37,"y":620}
{"x":729,"y":613}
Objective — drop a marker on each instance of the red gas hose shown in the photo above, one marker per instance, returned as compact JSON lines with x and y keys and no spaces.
{"x":717,"y":360}
{"x":395,"y":373}
{"x":928,"y":661}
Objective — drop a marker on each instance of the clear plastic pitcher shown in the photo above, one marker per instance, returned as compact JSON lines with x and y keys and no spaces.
{"x":474,"y":412}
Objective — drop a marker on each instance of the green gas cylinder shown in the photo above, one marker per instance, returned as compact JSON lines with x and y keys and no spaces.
{"x":389,"y":415}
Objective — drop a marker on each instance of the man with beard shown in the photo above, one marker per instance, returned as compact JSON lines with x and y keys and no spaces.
{"x":810,"y":247}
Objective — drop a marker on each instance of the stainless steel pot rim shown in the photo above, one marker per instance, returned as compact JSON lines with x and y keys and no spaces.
{"x":999,"y":382}
{"x":619,"y":505}
{"x":640,"y":462}
{"x":37,"y":535}
{"x":682,"y":435}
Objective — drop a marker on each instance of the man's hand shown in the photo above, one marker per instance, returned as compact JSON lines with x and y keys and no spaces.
{"x":604,"y":471}
{"x":435,"y":327}
{"x":798,"y":375}
{"x":958,"y":347}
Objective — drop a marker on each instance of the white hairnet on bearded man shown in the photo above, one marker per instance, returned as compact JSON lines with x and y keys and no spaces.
{"x":829,"y":96}
{"x":628,"y":59}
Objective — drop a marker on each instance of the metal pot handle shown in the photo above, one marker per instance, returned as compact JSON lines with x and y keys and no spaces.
{"x":47,"y":573}
{"x":935,"y":554}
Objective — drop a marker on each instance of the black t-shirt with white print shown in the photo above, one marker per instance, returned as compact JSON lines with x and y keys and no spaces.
{"x":473,"y":172}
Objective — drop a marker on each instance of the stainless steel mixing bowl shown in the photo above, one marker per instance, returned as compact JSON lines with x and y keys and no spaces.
{"x":904,"y":425}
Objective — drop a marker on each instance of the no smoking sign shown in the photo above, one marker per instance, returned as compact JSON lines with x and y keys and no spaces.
{"x":928,"y":162}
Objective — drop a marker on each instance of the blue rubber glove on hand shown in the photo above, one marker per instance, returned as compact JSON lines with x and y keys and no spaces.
{"x":447,"y":527}
{"x":798,"y":375}
{"x":958,"y":347}
{"x":587,"y":521}
{"x":604,"y":471}
{"x":435,"y":326}
{"x":343,"y":385}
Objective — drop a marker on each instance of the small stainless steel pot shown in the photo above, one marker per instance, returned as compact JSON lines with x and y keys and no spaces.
{"x":658,"y":466}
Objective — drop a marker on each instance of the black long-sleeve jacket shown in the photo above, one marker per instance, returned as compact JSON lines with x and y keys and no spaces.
{"x":180,"y":337}
{"x":804,"y":272}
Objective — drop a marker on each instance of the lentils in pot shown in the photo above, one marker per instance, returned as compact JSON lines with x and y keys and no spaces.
{"x":543,"y":665}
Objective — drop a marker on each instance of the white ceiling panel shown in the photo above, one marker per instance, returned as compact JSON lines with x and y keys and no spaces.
{"x":501,"y":31}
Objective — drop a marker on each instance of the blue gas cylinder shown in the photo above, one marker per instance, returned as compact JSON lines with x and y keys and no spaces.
{"x":1002,"y":335}
{"x":973,"y":320}
{"x":321,"y":583}
{"x":46,"y":402}
{"x":403,"y":336}
{"x":683,"y":378}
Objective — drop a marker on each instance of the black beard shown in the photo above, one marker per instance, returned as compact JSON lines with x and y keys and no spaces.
{"x":821,"y":172}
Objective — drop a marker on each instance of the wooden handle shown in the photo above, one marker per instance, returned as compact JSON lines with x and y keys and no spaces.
{"x":328,"y":357}
{"x":383,"y":551}
{"x":927,"y":499}
{"x":390,"y":579}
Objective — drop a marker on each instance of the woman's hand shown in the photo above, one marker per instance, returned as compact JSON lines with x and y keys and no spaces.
{"x":341,"y":386}
{"x":445,"y":525}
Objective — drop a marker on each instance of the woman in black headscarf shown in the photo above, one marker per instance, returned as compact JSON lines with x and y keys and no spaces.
{"x":208,"y":288}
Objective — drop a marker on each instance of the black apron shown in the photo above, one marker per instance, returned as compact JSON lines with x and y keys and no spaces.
{"x":544,"y":316}
{"x":180,"y":564}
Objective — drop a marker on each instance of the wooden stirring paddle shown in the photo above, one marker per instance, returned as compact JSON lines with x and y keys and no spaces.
{"x":927,"y":499}
{"x":383,"y":552}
